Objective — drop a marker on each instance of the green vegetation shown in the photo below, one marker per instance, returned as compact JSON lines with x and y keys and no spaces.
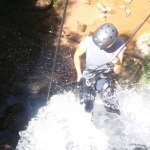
{"x":145,"y":77}
{"x":148,"y":39}
{"x":128,"y":62}
{"x":54,"y":1}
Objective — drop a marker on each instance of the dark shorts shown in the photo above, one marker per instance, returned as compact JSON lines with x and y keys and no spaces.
{"x":99,"y":84}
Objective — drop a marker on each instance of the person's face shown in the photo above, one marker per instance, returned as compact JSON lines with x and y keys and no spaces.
{"x":110,"y":45}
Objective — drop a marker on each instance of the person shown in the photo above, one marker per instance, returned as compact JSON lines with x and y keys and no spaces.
{"x":102,"y":48}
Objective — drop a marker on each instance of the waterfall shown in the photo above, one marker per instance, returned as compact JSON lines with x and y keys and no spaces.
{"x":63,"y":124}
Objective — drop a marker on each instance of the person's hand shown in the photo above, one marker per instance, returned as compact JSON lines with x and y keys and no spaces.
{"x":79,"y":77}
{"x":115,"y":60}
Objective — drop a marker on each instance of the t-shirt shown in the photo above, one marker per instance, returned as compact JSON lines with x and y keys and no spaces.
{"x":95,"y":57}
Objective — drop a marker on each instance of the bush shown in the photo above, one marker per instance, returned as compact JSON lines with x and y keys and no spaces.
{"x":145,"y":77}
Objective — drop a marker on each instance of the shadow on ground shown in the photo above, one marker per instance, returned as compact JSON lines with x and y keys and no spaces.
{"x":28,"y":42}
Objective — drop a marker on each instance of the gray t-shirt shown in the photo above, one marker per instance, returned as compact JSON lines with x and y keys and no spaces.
{"x":95,"y":57}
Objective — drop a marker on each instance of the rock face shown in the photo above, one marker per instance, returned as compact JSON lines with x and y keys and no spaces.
{"x":42,"y":4}
{"x":143,"y":45}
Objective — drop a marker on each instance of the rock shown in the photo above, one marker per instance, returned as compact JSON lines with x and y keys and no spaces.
{"x":101,"y":8}
{"x":3,"y":106}
{"x":127,"y":12}
{"x":65,"y":32}
{"x":123,"y":7}
{"x":86,"y":1}
{"x":89,"y":33}
{"x":14,"y":108}
{"x":103,"y":15}
{"x":10,"y":115}
{"x":127,"y":1}
{"x":42,"y":4}
{"x":110,"y":10}
{"x":81,"y":27}
{"x":142,"y":45}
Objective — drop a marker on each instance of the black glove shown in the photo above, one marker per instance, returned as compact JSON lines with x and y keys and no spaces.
{"x":81,"y":82}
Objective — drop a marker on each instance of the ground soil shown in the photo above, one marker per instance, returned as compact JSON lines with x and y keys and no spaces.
{"x":79,"y":12}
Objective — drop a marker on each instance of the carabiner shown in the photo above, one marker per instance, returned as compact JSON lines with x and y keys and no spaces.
{"x":88,"y":83}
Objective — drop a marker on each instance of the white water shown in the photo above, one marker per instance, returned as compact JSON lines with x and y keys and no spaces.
{"x":64,"y":125}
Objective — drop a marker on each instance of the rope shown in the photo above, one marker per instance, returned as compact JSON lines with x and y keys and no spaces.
{"x":58,"y":43}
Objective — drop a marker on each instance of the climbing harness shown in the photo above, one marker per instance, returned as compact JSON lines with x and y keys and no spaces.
{"x":88,"y":91}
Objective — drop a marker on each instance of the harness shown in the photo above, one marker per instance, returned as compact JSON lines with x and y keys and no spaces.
{"x":107,"y":94}
{"x":97,"y":75}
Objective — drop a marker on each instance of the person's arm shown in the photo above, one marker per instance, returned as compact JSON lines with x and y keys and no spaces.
{"x":117,"y":61}
{"x":79,"y":52}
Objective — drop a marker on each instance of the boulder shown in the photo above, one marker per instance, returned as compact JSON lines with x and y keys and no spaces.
{"x":143,"y":45}
{"x":42,"y":4}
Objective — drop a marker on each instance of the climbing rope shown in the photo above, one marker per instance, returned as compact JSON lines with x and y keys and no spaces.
{"x":57,"y":47}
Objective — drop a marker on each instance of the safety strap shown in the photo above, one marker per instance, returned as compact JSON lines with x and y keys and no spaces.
{"x":110,"y":67}
{"x":97,"y":75}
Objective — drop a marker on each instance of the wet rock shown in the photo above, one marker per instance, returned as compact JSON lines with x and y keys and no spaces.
{"x":14,"y":108}
{"x":3,"y":106}
{"x":101,"y":8}
{"x":127,"y":12}
{"x":65,"y":32}
{"x":127,"y":1}
{"x":123,"y":7}
{"x":4,"y":88}
{"x":103,"y":15}
{"x":142,"y":45}
{"x":6,"y":120}
{"x":9,"y":115}
{"x":81,"y":27}
{"x":13,"y":128}
{"x":42,"y":4}
{"x":110,"y":10}
{"x":59,"y":4}
{"x":86,"y":1}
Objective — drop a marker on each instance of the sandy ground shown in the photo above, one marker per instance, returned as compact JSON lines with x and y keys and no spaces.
{"x":79,"y":12}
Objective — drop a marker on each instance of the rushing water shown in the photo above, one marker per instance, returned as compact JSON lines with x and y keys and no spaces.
{"x":64,"y":125}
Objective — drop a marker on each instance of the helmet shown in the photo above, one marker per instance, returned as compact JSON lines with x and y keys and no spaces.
{"x":105,"y":35}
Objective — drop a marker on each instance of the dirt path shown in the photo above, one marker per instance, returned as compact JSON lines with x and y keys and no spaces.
{"x":88,"y":14}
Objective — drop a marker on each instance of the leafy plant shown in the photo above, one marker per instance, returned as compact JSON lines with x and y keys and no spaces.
{"x":145,"y":77}
{"x":54,"y":1}
{"x":147,"y":40}
{"x":128,"y":62}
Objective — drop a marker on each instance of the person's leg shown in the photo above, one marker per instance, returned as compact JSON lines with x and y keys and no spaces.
{"x":100,"y":84}
{"x":87,"y":96}
{"x":110,"y":100}
{"x":108,"y":95}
